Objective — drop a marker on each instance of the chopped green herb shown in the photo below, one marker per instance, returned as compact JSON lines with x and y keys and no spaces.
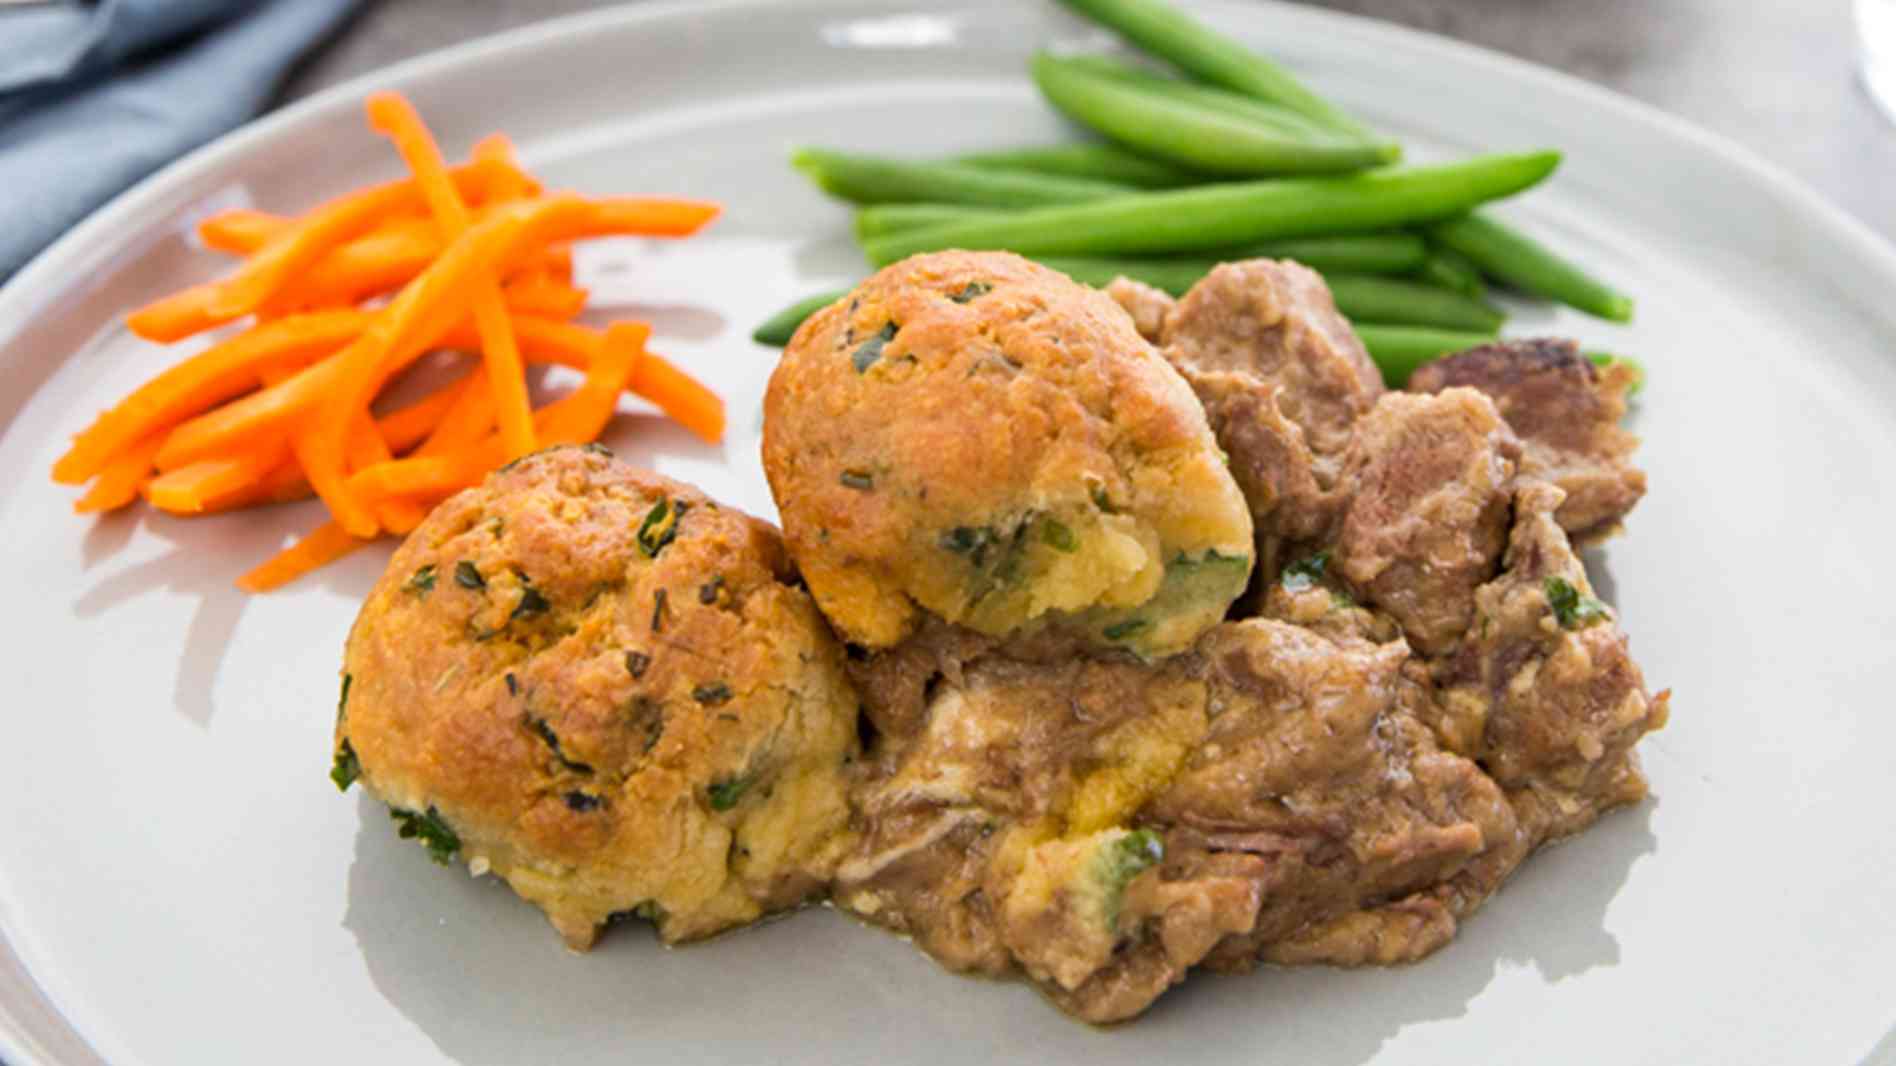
{"x":1058,"y":536}
{"x":513,"y":686}
{"x":856,"y":479}
{"x":468,"y":576}
{"x":725,"y":794}
{"x":1131,"y":627}
{"x":342,"y":701}
{"x":708,"y":592}
{"x":583,"y":801}
{"x":1100,"y":499}
{"x":972,"y":290}
{"x":1571,"y":609}
{"x":347,"y":767}
{"x":531,"y":604}
{"x":658,"y":611}
{"x":597,"y":449}
{"x":659,"y":527}
{"x":871,"y":349}
{"x":972,"y":541}
{"x":1121,"y":861}
{"x":636,"y":663}
{"x":1305,"y":573}
{"x":712,"y":694}
{"x":552,"y":740}
{"x":1341,"y":600}
{"x":430,"y":829}
{"x":423,"y":581}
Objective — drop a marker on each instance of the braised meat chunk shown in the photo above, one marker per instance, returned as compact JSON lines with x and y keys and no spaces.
{"x":1544,"y":693}
{"x":1431,"y":478}
{"x":1104,"y":826}
{"x":1567,"y":413}
{"x":1283,"y":380}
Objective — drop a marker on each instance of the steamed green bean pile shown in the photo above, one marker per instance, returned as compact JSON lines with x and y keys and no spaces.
{"x":1227,"y":156}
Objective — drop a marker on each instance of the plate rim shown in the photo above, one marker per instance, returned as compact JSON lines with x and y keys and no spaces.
{"x":51,"y":270}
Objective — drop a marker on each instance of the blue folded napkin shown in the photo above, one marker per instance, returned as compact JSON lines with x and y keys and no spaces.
{"x":95,"y":95}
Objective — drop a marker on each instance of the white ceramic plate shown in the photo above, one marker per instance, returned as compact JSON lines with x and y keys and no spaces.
{"x":179,"y":882}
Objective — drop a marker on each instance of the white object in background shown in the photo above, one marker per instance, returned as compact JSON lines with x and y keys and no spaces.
{"x":1876,"y":37}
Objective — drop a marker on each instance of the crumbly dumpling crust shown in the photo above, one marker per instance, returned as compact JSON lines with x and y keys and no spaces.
{"x":972,"y":436}
{"x":605,"y":686}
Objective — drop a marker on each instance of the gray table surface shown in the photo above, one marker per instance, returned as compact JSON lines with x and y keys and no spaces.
{"x":1778,"y":76}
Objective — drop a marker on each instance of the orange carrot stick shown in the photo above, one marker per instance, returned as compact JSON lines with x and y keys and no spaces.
{"x":407,"y":427}
{"x":680,"y":395}
{"x":424,"y":310}
{"x":119,"y":479}
{"x":394,"y":117}
{"x":539,"y":293}
{"x":327,"y":543}
{"x":218,"y":373}
{"x":581,"y":417}
{"x":466,"y":421}
{"x":241,"y":231}
{"x":288,"y":254}
{"x":185,"y":490}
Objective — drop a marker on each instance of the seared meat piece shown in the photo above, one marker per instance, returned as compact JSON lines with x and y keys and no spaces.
{"x":1567,"y":413}
{"x":1283,"y":379}
{"x":1544,"y":696}
{"x":1543,"y":693}
{"x":1107,"y":825}
{"x":1431,"y":477}
{"x":1147,"y":306}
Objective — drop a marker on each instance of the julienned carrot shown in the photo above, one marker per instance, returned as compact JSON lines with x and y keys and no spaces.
{"x":538,"y":293}
{"x":327,"y":543}
{"x":679,"y":395}
{"x":187,"y":489}
{"x":119,"y":480}
{"x":209,"y":378}
{"x":466,"y":421}
{"x":514,"y":184}
{"x":289,"y":253}
{"x":407,"y":427}
{"x":431,"y":304}
{"x":393,"y":116}
{"x":573,"y":419}
{"x":582,"y":416}
{"x":274,"y":411}
{"x":241,"y":231}
{"x":402,"y":429}
{"x":374,"y":263}
{"x":425,"y":308}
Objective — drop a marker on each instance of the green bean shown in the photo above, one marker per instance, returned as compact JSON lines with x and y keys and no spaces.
{"x":1607,"y":359}
{"x":1387,"y":252}
{"x":1097,"y":160}
{"x":1400,"y":350}
{"x":1395,"y":302}
{"x":1211,"y":140}
{"x":1452,"y":270}
{"x":1236,"y":105}
{"x":1235,"y":213}
{"x":1170,"y":34}
{"x":867,"y":179}
{"x":1387,"y":301}
{"x":777,"y":330}
{"x":1510,"y":256}
{"x":882,"y":220}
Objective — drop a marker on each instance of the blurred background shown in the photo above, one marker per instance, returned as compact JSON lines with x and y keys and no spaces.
{"x":130,"y":85}
{"x":1778,"y":76}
